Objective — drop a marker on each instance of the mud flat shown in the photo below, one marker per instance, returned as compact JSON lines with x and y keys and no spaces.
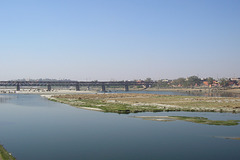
{"x":133,"y":103}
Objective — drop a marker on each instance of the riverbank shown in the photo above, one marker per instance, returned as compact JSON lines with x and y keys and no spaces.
{"x":133,"y":103}
{"x":4,"y":155}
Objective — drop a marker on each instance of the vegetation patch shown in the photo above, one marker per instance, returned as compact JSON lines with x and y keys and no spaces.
{"x":201,"y":120}
{"x":4,"y":155}
{"x":235,"y":138}
{"x":133,"y":103}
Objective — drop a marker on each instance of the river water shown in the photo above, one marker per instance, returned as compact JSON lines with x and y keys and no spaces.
{"x":33,"y":128}
{"x":210,"y":94}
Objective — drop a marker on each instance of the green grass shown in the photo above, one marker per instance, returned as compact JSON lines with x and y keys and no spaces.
{"x":5,"y":155}
{"x":236,"y":138}
{"x":133,"y":103}
{"x":203,"y":120}
{"x":120,"y":108}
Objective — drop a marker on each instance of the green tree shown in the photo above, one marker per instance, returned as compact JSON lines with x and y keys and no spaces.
{"x":224,"y":82}
{"x":148,"y":80}
{"x":161,"y":84}
{"x":180,"y":81}
{"x":210,"y":80}
{"x":194,"y":80}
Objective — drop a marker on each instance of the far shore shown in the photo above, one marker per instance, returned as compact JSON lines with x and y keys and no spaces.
{"x":203,"y":90}
{"x":235,"y":91}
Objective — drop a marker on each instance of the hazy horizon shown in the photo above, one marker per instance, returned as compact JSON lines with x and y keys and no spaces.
{"x":119,"y":40}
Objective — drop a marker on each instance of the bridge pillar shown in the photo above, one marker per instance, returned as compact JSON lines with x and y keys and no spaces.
{"x":48,"y":87}
{"x":77,"y":87}
{"x":18,"y":87}
{"x":103,"y":88}
{"x":126,"y":88}
{"x":147,"y":85}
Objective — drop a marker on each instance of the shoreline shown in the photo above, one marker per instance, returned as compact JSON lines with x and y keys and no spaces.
{"x":51,"y":98}
{"x":5,"y":155}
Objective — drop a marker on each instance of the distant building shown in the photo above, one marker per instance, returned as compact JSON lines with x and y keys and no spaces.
{"x":235,"y":79}
{"x":165,"y":80}
{"x":205,"y":83}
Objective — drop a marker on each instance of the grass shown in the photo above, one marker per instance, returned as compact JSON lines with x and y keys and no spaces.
{"x":132,"y":103}
{"x":201,"y":120}
{"x":4,"y":155}
{"x":236,"y":138}
{"x":104,"y":106}
{"x":204,"y":120}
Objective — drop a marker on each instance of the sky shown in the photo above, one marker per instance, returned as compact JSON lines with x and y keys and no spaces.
{"x":119,"y":39}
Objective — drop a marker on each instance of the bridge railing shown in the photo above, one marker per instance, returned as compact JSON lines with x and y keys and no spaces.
{"x":77,"y":84}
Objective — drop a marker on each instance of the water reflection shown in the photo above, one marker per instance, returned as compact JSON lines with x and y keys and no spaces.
{"x":4,"y":99}
{"x":58,"y":131}
{"x":215,"y":94}
{"x":187,"y":93}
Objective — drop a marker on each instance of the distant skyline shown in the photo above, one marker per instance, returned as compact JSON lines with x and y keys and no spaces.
{"x":119,"y":40}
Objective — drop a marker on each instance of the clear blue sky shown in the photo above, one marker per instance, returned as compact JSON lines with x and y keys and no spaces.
{"x":119,"y":39}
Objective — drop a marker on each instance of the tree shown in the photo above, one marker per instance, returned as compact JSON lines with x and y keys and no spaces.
{"x":193,"y":80}
{"x":179,"y":81}
{"x":210,"y":80}
{"x":224,"y":82}
{"x":148,"y":80}
{"x":160,"y":83}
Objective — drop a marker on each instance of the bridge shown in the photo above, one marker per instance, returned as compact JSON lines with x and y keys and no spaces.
{"x":77,"y":84}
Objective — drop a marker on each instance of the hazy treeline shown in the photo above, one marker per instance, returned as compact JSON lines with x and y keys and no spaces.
{"x":195,"y":81}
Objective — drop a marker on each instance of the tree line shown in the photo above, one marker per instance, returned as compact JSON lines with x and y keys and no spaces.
{"x":194,"y":81}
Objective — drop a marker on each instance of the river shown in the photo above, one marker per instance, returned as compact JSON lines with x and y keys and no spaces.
{"x":33,"y":128}
{"x":186,"y":93}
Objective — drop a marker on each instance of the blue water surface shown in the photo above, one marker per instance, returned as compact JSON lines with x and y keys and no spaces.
{"x":33,"y":128}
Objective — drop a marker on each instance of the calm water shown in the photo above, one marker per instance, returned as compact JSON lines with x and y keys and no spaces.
{"x":214,"y":94}
{"x":33,"y":128}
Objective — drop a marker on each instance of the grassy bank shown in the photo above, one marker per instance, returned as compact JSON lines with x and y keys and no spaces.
{"x":201,"y":120}
{"x":132,"y":103}
{"x":4,"y":155}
